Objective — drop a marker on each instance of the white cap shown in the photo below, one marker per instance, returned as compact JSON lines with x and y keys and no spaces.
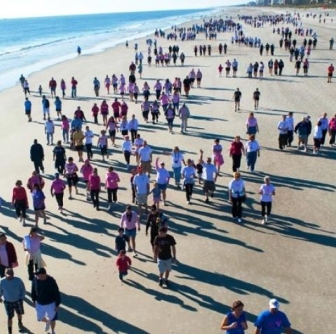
{"x":273,"y":303}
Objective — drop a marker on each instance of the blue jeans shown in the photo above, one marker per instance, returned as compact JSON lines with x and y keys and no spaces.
{"x":50,"y":137}
{"x":177,"y":174}
{"x":251,"y":159}
{"x":65,"y":133}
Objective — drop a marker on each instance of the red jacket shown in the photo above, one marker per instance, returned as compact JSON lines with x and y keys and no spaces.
{"x":123,"y":263}
{"x":19,"y":193}
{"x":11,"y":254}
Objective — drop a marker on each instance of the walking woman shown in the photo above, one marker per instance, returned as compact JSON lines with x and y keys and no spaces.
{"x":155,"y":220}
{"x":170,"y":115}
{"x":57,"y":189}
{"x":86,"y":171}
{"x":94,"y":186}
{"x":189,"y":174}
{"x":236,"y":151}
{"x":31,"y":245}
{"x":218,"y":159}
{"x":235,"y":322}
{"x":130,"y":221}
{"x":112,"y":128}
{"x":39,"y":204}
{"x":20,"y":201}
{"x":111,"y":185}
{"x":70,"y":172}
{"x":65,"y":129}
{"x":252,"y":124}
{"x":252,"y":152}
{"x":266,"y":192}
{"x":237,"y":195}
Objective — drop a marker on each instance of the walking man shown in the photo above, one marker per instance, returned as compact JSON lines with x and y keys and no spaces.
{"x":49,"y":129}
{"x":46,"y":298}
{"x":28,"y":107}
{"x":37,"y":156}
{"x":256,"y":97}
{"x":13,"y":292}
{"x":184,"y":114}
{"x":272,"y":320}
{"x":283,"y":129}
{"x":141,"y":185}
{"x":236,"y":97}
{"x":290,"y":130}
{"x":164,"y":254}
{"x":209,"y":177}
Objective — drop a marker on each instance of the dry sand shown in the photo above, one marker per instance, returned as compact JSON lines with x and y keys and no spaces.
{"x":291,"y":259}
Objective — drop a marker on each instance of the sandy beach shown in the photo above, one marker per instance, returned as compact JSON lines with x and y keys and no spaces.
{"x":291,"y":259}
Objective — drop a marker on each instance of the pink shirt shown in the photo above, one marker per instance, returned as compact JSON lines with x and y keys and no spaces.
{"x":65,"y":124}
{"x":103,"y":140}
{"x":70,"y":168}
{"x":251,"y":121}
{"x":112,"y":179}
{"x":94,"y":182}
{"x":164,"y":99}
{"x":131,"y":223}
{"x":35,"y":244}
{"x":86,"y":170}
{"x":58,"y":186}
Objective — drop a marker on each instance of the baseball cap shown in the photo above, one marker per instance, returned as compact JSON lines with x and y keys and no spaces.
{"x":40,"y":271}
{"x":273,"y":303}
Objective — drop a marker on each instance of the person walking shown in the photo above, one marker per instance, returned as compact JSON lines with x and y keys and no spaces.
{"x":130,"y":221}
{"x":177,"y":159}
{"x":58,"y":107}
{"x":141,"y":187}
{"x":8,"y":258}
{"x":39,"y":204}
{"x":59,"y":157}
{"x":78,"y":137}
{"x":252,"y":149}
{"x":330,"y":72}
{"x":324,"y":126}
{"x":235,"y":321}
{"x":317,"y":137}
{"x":133,"y":126}
{"x":32,"y":246}
{"x":283,"y":130}
{"x":272,"y":319}
{"x":126,"y":148}
{"x":290,"y":128}
{"x":12,"y":293}
{"x":209,"y":177}
{"x":256,"y":98}
{"x":89,"y":135}
{"x":217,"y":155}
{"x":57,"y":189}
{"x":332,"y":130}
{"x":251,"y":124}
{"x":45,"y":107}
{"x":302,"y":129}
{"x":111,"y":184}
{"x":266,"y":192}
{"x":49,"y":129}
{"x":20,"y":201}
{"x":236,"y":151}
{"x":184,"y":114}
{"x":46,"y":299}
{"x":145,"y":157}
{"x":162,"y":178}
{"x":188,"y":174}
{"x":94,"y":187}
{"x":86,"y":170}
{"x":237,"y":97}
{"x":237,"y":195}
{"x":28,"y":108}
{"x":37,"y":156}
{"x":164,"y":254}
{"x":70,"y":172}
{"x":155,"y":220}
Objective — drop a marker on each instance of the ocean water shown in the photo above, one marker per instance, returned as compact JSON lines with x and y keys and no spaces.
{"x":31,"y":44}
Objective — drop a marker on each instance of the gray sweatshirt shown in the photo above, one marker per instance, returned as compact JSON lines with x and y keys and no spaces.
{"x":12,"y":289}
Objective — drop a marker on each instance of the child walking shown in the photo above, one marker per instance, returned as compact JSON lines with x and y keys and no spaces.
{"x":156,"y":191}
{"x":120,"y":240}
{"x":123,"y":264}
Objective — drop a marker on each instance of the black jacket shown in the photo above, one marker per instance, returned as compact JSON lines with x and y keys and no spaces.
{"x":36,"y":152}
{"x":45,"y":291}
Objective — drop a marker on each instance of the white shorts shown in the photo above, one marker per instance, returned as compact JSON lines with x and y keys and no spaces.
{"x":47,"y":311}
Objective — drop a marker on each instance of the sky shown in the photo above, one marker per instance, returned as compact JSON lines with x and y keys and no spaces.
{"x":33,"y":8}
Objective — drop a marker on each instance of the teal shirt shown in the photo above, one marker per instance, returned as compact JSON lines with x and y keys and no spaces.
{"x":12,"y":289}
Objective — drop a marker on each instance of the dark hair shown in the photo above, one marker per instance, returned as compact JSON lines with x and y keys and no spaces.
{"x":33,"y":229}
{"x":237,"y":304}
{"x":121,"y":229}
{"x":163,"y":229}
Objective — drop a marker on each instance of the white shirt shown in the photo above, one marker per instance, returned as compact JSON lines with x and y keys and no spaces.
{"x":162,"y":175}
{"x":267,"y":192}
{"x":177,"y":158}
{"x":49,"y":126}
{"x":145,"y":153}
{"x":317,"y":132}
{"x":252,"y":146}
{"x":88,"y":136}
{"x":126,"y":146}
{"x":188,"y":172}
{"x":133,"y":124}
{"x":236,"y":187}
{"x":141,"y":182}
{"x":324,"y":123}
{"x":209,"y":171}
{"x":283,"y":127}
{"x":138,"y":144}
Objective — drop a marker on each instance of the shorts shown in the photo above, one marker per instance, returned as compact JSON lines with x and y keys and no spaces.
{"x":124,"y":133}
{"x":234,"y":69}
{"x":162,"y":186}
{"x":164,"y":265}
{"x":72,"y":180}
{"x":46,"y":110}
{"x":142,"y":199}
{"x":330,"y":75}
{"x":199,"y":79}
{"x":79,"y":147}
{"x":46,"y":311}
{"x":28,"y":112}
{"x":209,"y":186}
{"x":58,"y":109}
{"x":10,"y":307}
{"x":146,"y":166}
{"x":130,"y":233}
{"x":303,"y":138}
{"x":237,"y":100}
{"x":40,"y":208}
{"x":317,"y":142}
{"x":112,"y":133}
{"x":103,"y":150}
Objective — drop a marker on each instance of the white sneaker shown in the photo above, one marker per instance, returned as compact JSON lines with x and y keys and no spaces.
{"x":239,"y":220}
{"x":188,"y":202}
{"x":305,"y":149}
{"x":263,"y":222}
{"x":266,"y":219}
{"x":47,"y":326}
